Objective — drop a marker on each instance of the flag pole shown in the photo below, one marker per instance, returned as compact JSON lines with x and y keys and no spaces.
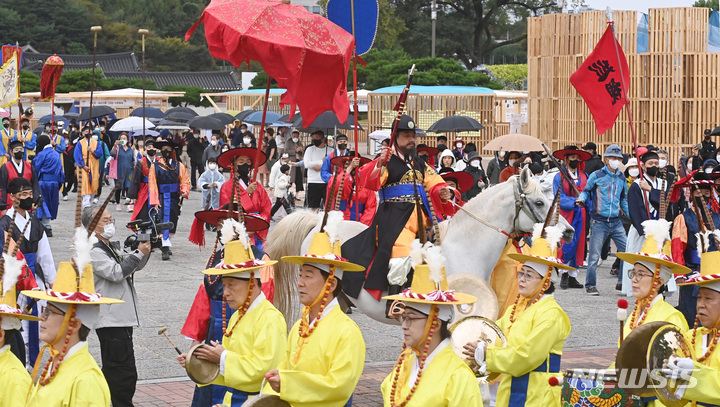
{"x":628,"y":110}
{"x":355,"y":101}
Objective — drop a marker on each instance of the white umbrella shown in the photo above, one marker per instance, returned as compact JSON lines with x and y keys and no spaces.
{"x":131,"y":124}
{"x":380,"y":135}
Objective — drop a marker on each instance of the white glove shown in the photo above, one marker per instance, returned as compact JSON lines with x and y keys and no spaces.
{"x":480,"y":357}
{"x":678,"y":368}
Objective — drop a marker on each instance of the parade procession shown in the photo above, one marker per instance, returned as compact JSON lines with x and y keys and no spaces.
{"x":453,"y":239}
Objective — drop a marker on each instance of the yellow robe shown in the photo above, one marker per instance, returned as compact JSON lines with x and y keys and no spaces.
{"x":661,"y":310}
{"x":446,"y":382}
{"x":15,"y":381}
{"x":328,"y":367}
{"x":79,"y":382}
{"x":88,"y":186}
{"x":707,"y":373}
{"x":539,"y":331}
{"x":7,"y":135}
{"x":255,"y":346}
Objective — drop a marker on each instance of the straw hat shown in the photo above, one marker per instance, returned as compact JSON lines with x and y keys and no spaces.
{"x":708,"y":264}
{"x":656,"y":249}
{"x":10,"y":315}
{"x":325,"y":248}
{"x":226,"y":159}
{"x":69,"y":288}
{"x":544,"y":249}
{"x":429,"y":284}
{"x":239,"y":259}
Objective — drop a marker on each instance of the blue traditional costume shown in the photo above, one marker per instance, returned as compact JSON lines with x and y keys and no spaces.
{"x":48,"y":169}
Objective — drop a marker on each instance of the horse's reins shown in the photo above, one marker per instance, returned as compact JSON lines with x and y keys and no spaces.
{"x":520,"y":200}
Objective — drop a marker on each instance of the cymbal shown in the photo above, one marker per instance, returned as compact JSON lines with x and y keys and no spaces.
{"x":631,"y":360}
{"x":199,"y":370}
{"x":487,"y":303}
{"x":475,"y":328}
{"x":266,"y":400}
{"x":668,"y":341}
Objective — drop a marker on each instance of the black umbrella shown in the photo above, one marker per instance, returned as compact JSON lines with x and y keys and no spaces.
{"x":38,"y":130}
{"x":242,"y":115}
{"x":71,"y":115}
{"x":206,"y":122}
{"x":97,"y":111}
{"x":455,"y":124}
{"x":47,"y":118}
{"x":328,"y":120}
{"x":150,"y":112}
{"x":296,"y":121}
{"x":179,"y":117}
{"x":715,"y":132}
{"x":223,"y":117}
{"x":181,"y":110}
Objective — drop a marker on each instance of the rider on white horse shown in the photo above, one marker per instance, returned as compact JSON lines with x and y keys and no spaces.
{"x":402,"y":180}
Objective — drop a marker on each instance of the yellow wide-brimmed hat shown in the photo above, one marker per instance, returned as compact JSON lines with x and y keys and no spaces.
{"x":12,"y":271}
{"x":544,"y":249}
{"x":239,"y":261}
{"x":708,"y":277}
{"x":323,"y":252}
{"x":656,"y":248}
{"x":69,"y":288}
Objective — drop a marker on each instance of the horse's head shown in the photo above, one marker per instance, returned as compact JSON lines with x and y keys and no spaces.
{"x":532,"y":206}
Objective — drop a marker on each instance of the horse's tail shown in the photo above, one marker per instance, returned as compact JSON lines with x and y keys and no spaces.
{"x":285,"y":239}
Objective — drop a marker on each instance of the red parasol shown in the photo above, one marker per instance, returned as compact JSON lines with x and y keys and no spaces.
{"x":305,"y":53}
{"x":50,"y":76}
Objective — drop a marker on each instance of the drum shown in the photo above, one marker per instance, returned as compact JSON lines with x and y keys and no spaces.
{"x":590,"y":388}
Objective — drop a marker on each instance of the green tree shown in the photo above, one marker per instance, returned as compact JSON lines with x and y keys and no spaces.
{"x":510,"y":76}
{"x":29,"y":82}
{"x":192,"y":96}
{"x":174,"y":54}
{"x":711,"y":4}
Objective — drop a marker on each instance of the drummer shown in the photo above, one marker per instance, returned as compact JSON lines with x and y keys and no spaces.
{"x":71,"y":377}
{"x":326,"y":351}
{"x":703,"y":338}
{"x":206,"y":319}
{"x":253,"y":341}
{"x":535,"y":327}
{"x":651,"y":276}
{"x":428,"y":372}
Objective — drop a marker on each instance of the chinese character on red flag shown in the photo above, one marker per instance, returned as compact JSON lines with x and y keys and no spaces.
{"x":599,"y":82}
{"x":7,"y":53}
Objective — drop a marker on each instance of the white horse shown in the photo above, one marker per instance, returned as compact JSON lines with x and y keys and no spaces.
{"x":470,"y":245}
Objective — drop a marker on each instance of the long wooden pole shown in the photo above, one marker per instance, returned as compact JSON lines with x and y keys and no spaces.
{"x":262,"y":132}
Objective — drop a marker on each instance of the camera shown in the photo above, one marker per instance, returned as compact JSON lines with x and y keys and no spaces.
{"x":146,"y":231}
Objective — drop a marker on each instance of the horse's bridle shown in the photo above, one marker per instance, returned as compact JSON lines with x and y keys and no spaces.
{"x":522,"y":203}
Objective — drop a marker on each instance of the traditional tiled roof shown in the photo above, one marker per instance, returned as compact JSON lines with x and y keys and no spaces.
{"x":109,"y":63}
{"x":209,"y":80}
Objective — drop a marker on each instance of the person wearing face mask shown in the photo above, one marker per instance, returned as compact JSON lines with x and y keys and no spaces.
{"x":69,"y":161}
{"x":88,"y":152}
{"x":211,"y":181}
{"x":58,"y":140}
{"x":708,"y":149}
{"x":275,"y":170}
{"x":497,"y":164}
{"x":168,"y":181}
{"x":573,"y":252}
{"x":513,"y":166}
{"x":196,"y":146}
{"x":7,"y":134}
{"x":607,"y":189}
{"x":341,"y":150}
{"x":113,"y":271}
{"x":17,"y":167}
{"x":294,"y":150}
{"x":48,"y":169}
{"x":29,"y":139}
{"x":313,"y":160}
{"x":121,"y":168}
{"x":236,"y":134}
{"x":213,"y":150}
{"x":458,"y":149}
{"x":36,"y":248}
{"x":139,"y":190}
{"x":253,"y":198}
{"x":480,"y":180}
{"x":709,"y":165}
{"x":645,"y":192}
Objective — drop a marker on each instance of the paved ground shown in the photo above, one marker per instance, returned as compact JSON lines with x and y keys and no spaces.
{"x":166,"y":291}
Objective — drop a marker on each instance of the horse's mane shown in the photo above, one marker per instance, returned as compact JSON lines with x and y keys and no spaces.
{"x":283,"y":240}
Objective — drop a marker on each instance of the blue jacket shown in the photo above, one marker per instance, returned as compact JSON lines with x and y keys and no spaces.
{"x":326,"y":171}
{"x":608,"y":192}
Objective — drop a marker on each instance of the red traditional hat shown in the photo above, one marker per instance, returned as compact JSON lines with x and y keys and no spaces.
{"x":338,"y":161}
{"x":432,"y":151}
{"x":213,"y":217}
{"x":561,"y":154}
{"x":463,"y":179}
{"x":226,"y":159}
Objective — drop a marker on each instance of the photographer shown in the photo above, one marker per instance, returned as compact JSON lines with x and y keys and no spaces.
{"x":113,"y":269}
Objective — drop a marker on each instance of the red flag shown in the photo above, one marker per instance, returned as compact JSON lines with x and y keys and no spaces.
{"x":7,"y":53}
{"x":599,"y":82}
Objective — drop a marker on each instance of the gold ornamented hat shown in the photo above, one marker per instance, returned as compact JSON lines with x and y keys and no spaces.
{"x":239,"y":260}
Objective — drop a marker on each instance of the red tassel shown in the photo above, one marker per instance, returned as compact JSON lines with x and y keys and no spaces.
{"x":197,"y":233}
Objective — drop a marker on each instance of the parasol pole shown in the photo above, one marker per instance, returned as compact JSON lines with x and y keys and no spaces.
{"x":608,"y":15}
{"x":355,"y":101}
{"x":262,"y":131}
{"x":143,"y":32}
{"x":95,"y":29}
